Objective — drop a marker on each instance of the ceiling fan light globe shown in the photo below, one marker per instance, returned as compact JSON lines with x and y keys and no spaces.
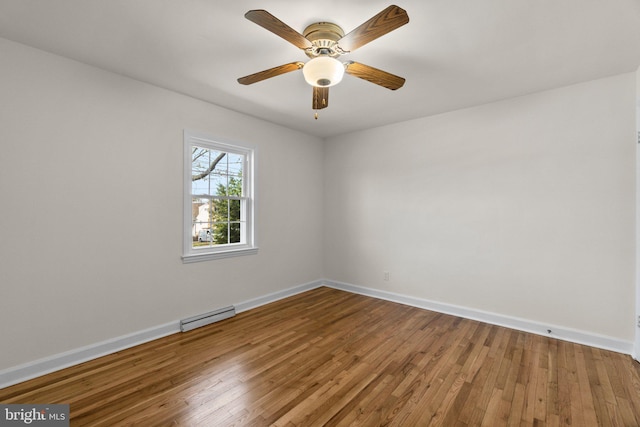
{"x":323,"y":71}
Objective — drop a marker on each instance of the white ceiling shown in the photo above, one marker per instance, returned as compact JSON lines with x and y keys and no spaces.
{"x":453,"y":53}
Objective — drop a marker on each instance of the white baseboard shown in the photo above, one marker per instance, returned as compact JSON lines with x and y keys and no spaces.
{"x":559,"y":332}
{"x":27,"y":371}
{"x":56,"y":362}
{"x":266,"y":299}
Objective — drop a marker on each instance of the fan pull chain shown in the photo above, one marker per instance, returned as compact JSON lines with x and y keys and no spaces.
{"x":324,"y":104}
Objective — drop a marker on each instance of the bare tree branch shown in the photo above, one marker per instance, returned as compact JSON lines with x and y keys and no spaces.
{"x":197,"y":153}
{"x":209,"y":169}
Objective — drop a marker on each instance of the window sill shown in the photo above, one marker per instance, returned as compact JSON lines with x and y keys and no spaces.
{"x":207,"y":256}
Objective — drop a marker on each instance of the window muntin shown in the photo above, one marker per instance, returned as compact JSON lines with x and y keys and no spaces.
{"x":218,"y":192}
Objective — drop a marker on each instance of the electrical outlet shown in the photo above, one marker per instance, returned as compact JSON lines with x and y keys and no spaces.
{"x":386,"y":276}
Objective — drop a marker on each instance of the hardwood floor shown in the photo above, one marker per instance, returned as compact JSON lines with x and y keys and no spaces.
{"x":327,"y":357}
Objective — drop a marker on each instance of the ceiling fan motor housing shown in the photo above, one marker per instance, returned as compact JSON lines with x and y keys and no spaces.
{"x":324,"y":38}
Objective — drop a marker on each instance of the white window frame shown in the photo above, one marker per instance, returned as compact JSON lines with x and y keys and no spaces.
{"x":249,"y":246}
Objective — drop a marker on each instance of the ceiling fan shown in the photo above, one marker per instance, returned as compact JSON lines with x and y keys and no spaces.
{"x":324,"y":42}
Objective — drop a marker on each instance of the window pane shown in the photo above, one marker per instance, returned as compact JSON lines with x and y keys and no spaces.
{"x":221,"y":221}
{"x":220,"y":159}
{"x":208,"y":170}
{"x":221,"y":233}
{"x":234,"y":220}
{"x":218,"y":184}
{"x":235,"y":186}
{"x":202,"y":220}
{"x":234,"y":210}
{"x":236,"y":162}
{"x":200,"y":186}
{"x":234,"y":233}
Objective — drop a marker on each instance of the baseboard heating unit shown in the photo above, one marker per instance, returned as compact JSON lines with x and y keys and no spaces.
{"x":207,"y":318}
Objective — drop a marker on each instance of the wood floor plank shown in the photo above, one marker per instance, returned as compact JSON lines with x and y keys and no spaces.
{"x":332,"y":358}
{"x":517,"y":405}
{"x":569,"y":388}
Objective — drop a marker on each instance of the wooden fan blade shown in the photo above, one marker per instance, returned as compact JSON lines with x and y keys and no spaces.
{"x":277,"y":27}
{"x":384,"y":22}
{"x":373,"y":75}
{"x":320,"y":98}
{"x":271,"y":72}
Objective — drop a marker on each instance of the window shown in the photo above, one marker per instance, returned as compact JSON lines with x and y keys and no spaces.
{"x":219,"y":202}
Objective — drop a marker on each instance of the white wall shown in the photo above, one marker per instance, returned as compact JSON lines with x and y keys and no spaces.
{"x":524,"y":208}
{"x":91,"y":207}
